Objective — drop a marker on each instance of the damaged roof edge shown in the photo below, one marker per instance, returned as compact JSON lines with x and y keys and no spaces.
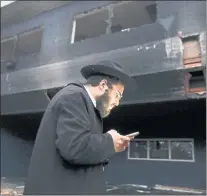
{"x":12,"y":13}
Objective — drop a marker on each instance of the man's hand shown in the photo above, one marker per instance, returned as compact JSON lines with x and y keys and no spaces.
{"x":120,"y":141}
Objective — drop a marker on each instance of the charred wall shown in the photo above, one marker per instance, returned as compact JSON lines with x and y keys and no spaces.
{"x":138,"y":44}
{"x":171,"y":17}
{"x":151,"y":51}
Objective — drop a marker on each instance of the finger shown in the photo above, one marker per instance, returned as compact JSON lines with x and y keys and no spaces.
{"x":120,"y":142}
{"x":124,"y":138}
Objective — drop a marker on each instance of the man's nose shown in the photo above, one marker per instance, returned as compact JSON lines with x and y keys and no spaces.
{"x":117,"y":102}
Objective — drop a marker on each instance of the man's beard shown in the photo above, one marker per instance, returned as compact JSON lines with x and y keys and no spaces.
{"x":102,"y":104}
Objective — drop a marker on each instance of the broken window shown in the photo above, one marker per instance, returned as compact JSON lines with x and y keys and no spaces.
{"x":127,"y":15}
{"x":113,"y":18}
{"x":7,"y":49}
{"x":29,"y":43}
{"x":195,"y":82}
{"x":92,"y":24}
{"x":162,"y":150}
{"x":191,"y":51}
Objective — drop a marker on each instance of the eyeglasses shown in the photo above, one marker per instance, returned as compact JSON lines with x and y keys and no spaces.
{"x":118,"y":94}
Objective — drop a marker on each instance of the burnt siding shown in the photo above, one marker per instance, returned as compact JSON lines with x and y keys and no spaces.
{"x":153,"y":52}
{"x":156,"y":87}
{"x":136,"y":36}
{"x":135,"y":59}
{"x":172,"y":17}
{"x":57,"y":26}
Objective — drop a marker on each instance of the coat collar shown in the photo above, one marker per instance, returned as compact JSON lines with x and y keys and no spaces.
{"x":81,"y":85}
{"x":90,"y":95}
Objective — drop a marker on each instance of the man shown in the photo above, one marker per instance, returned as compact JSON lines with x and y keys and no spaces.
{"x":70,"y":150}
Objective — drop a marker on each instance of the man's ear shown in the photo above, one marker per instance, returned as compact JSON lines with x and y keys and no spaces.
{"x":103,"y":85}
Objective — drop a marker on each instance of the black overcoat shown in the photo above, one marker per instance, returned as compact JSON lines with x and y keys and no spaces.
{"x":70,"y":148}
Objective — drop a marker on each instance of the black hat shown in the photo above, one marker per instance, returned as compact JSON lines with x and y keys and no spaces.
{"x":108,"y":68}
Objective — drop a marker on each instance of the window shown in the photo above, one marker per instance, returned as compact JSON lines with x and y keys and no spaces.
{"x":162,"y":150}
{"x":195,"y":82}
{"x":90,"y":25}
{"x":138,"y":149}
{"x":7,"y":50}
{"x":29,"y":43}
{"x":191,"y":51}
{"x":159,"y":150}
{"x":181,"y":150}
{"x":113,"y":18}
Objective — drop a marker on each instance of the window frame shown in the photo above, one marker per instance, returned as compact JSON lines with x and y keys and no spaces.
{"x":107,"y":6}
{"x":26,"y":33}
{"x":169,"y":149}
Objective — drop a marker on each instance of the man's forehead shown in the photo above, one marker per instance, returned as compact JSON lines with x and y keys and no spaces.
{"x":119,"y":87}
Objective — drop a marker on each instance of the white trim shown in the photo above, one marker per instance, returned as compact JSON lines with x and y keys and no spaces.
{"x":73,"y":32}
{"x":170,"y":160}
{"x":193,"y":150}
{"x":169,"y":149}
{"x":148,"y":149}
{"x":169,"y":145}
{"x":128,"y":152}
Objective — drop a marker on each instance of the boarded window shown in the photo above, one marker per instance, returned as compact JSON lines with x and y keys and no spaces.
{"x":29,"y":43}
{"x":162,"y":150}
{"x":113,"y":18}
{"x":191,"y":51}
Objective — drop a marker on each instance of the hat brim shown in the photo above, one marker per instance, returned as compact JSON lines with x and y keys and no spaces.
{"x":90,"y":70}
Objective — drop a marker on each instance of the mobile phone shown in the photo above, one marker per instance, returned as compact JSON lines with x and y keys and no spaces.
{"x":133,"y":134}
